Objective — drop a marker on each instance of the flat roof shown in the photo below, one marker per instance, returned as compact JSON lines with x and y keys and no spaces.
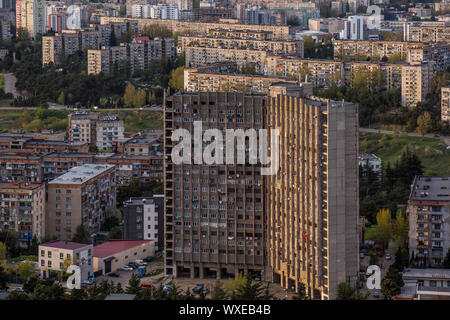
{"x":81,"y":174}
{"x":427,"y":273}
{"x":60,"y":244}
{"x":430,"y":188}
{"x":20,"y":185}
{"x":112,"y":247}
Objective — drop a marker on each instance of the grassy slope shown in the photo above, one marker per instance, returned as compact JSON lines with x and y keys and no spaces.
{"x":433,"y":154}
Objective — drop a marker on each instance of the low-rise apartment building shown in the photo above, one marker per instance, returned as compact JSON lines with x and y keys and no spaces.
{"x":55,"y":256}
{"x":421,"y":32}
{"x":80,"y":196}
{"x":20,"y":168}
{"x":429,"y":216}
{"x":22,"y":209}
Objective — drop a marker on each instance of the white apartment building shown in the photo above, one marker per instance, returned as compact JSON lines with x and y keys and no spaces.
{"x":353,"y":29}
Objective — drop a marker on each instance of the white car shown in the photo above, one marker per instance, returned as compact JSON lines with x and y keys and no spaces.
{"x":141,"y":262}
{"x":127,"y":268}
{"x":388,"y":257}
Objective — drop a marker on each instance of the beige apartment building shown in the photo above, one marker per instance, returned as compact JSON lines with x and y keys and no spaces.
{"x":312,"y":229}
{"x":22,"y":209}
{"x":423,"y":33}
{"x":81,"y":196}
{"x":240,"y":34}
{"x":416,"y":82}
{"x":321,"y":73}
{"x":55,"y":256}
{"x":30,"y":15}
{"x":98,"y":61}
{"x":437,"y":52}
{"x":445,"y":103}
{"x":52,"y":48}
{"x":199,"y":56}
{"x":278,"y":32}
{"x":429,"y":214}
{"x":198,"y":80}
{"x":280,"y":47}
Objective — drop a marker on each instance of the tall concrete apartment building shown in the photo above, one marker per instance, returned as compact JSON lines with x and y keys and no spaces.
{"x":427,"y":32}
{"x":144,"y":219}
{"x":299,"y":225}
{"x":30,"y":15}
{"x":22,"y":209}
{"x":416,"y":82}
{"x":214,"y":218}
{"x":429,"y":214}
{"x":80,"y":196}
{"x":312,"y":203}
{"x":445,"y":103}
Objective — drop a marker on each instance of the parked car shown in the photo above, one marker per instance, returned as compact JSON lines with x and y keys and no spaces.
{"x":167,"y":288}
{"x":147,"y":286}
{"x":140,"y":262}
{"x":113,"y":275}
{"x":132,"y":265}
{"x":376,"y":294}
{"x":199,"y":288}
{"x":388,"y":257}
{"x":361,"y":255}
{"x":127,"y":268}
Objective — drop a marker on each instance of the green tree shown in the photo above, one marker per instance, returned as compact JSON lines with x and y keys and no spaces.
{"x":134,"y":284}
{"x":82,"y":235}
{"x":116,"y":233}
{"x":26,"y":270}
{"x":384,"y":227}
{"x":345,"y":291}
{"x":129,"y":95}
{"x":389,"y":288}
{"x":424,"y":123}
{"x":249,"y":290}
{"x":61,"y":98}
{"x":301,"y":292}
{"x":3,"y":251}
{"x":218,"y":292}
{"x":3,"y":278}
{"x":232,"y":285}
{"x":176,"y":81}
{"x":140,"y":99}
{"x":400,"y":229}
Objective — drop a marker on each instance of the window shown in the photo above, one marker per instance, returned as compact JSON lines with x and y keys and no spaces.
{"x":49,"y":254}
{"x":433,"y":283}
{"x":42,"y":253}
{"x":60,"y":265}
{"x":61,"y":256}
{"x":49,"y":264}
{"x":43,"y":263}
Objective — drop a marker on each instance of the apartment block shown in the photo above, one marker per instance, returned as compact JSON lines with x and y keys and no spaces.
{"x":416,"y":82}
{"x":278,"y":32}
{"x":96,"y":129}
{"x":280,"y":47}
{"x":30,"y":16}
{"x":52,"y":48}
{"x":241,"y":34}
{"x":22,"y":209}
{"x":144,"y":219}
{"x":439,"y":53}
{"x":134,"y":167}
{"x":214,"y":218}
{"x":197,"y":80}
{"x":198,"y":56}
{"x":376,"y":50}
{"x":56,"y":164}
{"x":81,"y":196}
{"x":420,"y":32}
{"x":98,"y":61}
{"x":20,"y":168}
{"x":429,"y":214}
{"x":321,"y":73}
{"x":445,"y":103}
{"x":312,"y":229}
{"x":55,"y":255}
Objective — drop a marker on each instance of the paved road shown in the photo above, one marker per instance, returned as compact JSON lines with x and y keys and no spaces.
{"x":445,"y":139}
{"x":10,"y":84}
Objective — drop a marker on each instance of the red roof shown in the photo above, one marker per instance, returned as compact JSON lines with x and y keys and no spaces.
{"x":64,"y":245}
{"x":115,"y":246}
{"x":141,"y":38}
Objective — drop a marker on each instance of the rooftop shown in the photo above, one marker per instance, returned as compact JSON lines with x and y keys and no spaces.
{"x":427,"y":273}
{"x":368,"y":156}
{"x":430,"y":188}
{"x":20,"y":185}
{"x":81,"y":174}
{"x":115,"y":246}
{"x":68,"y":245}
